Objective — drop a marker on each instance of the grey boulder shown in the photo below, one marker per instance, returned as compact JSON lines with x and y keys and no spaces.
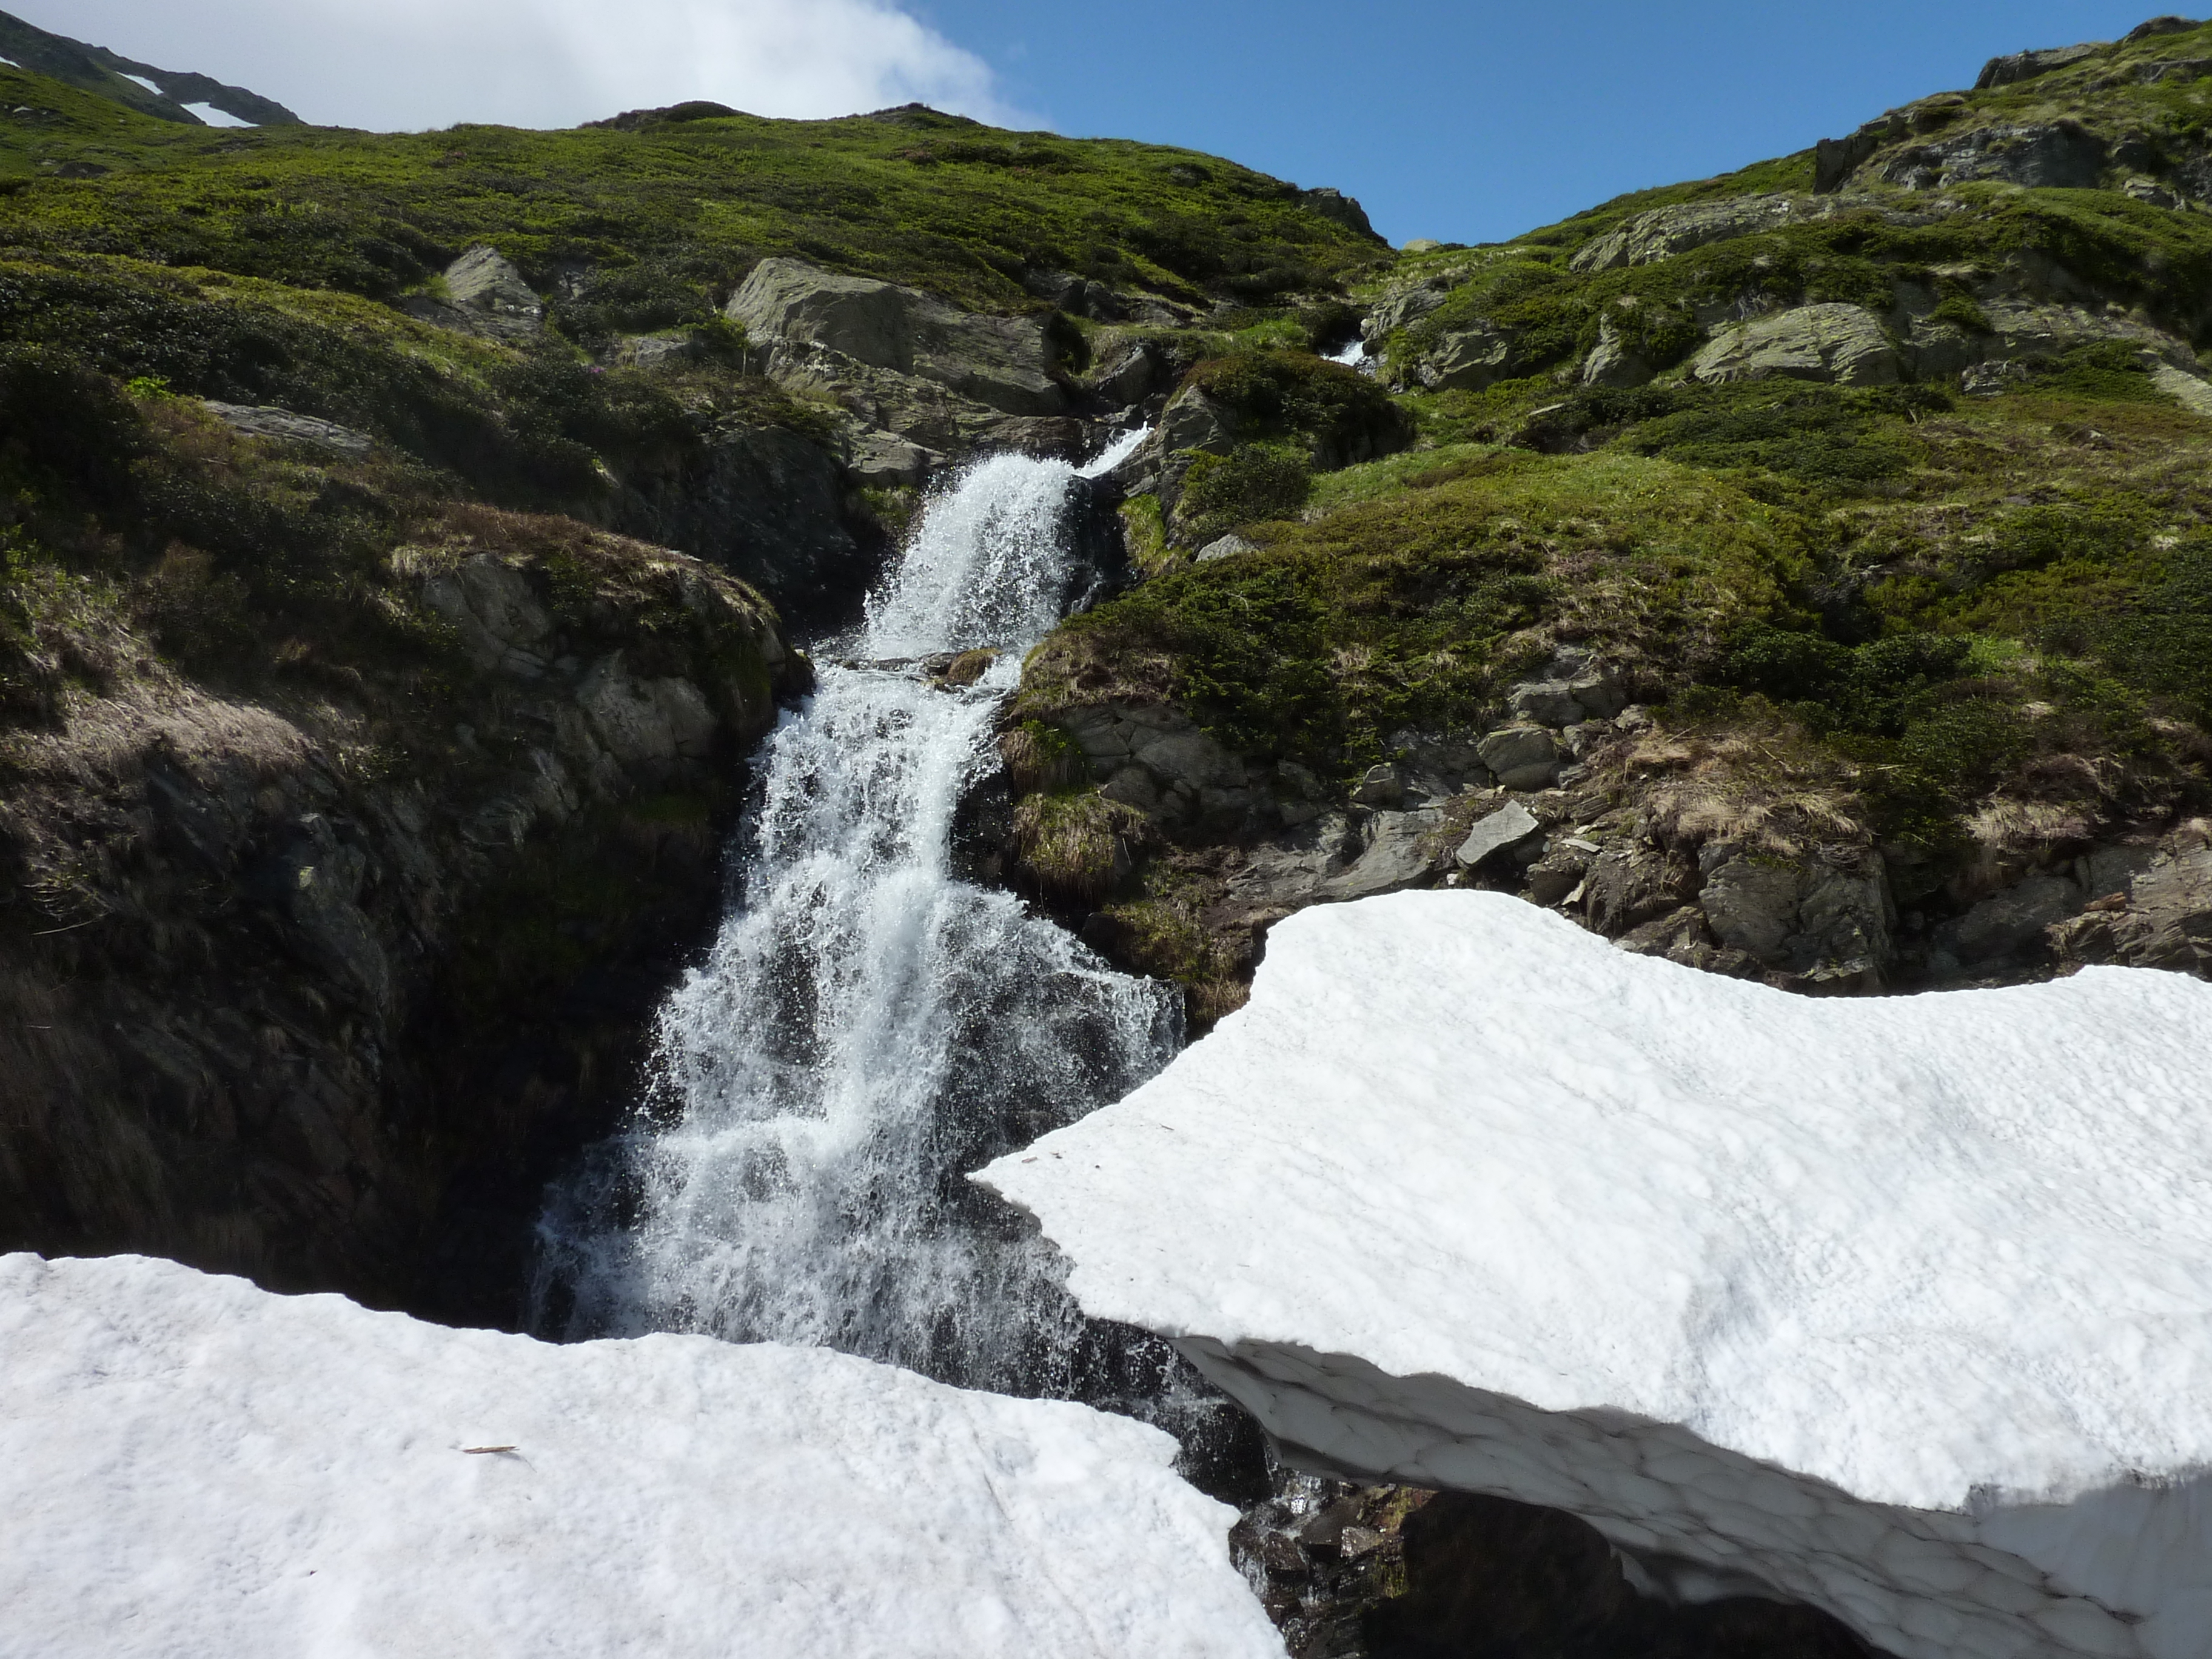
{"x":1398,"y":855}
{"x":1225,"y":547}
{"x":483,"y":295}
{"x":1521,"y":757}
{"x":260,"y":421}
{"x":1841,"y":343}
{"x":998,"y":362}
{"x":1507,"y":826}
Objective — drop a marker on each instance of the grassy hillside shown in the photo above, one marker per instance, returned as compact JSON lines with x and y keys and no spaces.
{"x":642,"y":222}
{"x":1964,"y":619}
{"x":141,"y":260}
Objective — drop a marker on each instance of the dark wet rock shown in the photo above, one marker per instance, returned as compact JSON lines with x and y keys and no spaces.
{"x":2012,"y":923}
{"x":766,"y":504}
{"x":1489,"y":1579}
{"x":329,"y":1021}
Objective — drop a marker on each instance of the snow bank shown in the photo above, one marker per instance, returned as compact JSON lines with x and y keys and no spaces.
{"x":189,"y":1465}
{"x":1901,"y":1307}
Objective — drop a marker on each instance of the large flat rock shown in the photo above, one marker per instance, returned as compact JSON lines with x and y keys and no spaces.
{"x":1901,"y":1307}
{"x":1842,"y":343}
{"x":997,"y":362}
{"x":189,"y":1465}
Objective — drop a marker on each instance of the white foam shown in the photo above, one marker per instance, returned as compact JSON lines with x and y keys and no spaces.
{"x":1945,"y":1260}
{"x":189,"y":1465}
{"x":871,"y":1024}
{"x":1115,"y":453}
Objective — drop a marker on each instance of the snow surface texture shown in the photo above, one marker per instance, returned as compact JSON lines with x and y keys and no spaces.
{"x":189,"y":1465}
{"x":1901,"y":1307}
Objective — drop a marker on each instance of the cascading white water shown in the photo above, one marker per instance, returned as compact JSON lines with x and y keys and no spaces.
{"x":869,"y":1026}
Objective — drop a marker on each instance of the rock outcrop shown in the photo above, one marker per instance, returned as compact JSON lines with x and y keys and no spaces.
{"x":483,"y":293}
{"x":2061,"y":156}
{"x":1665,"y":232}
{"x":906,"y":364}
{"x":2026,"y":65}
{"x":1895,"y":1307}
{"x":769,"y":505}
{"x":317,"y":995}
{"x":2156,"y":914}
{"x":282,"y":425}
{"x":1842,"y":344}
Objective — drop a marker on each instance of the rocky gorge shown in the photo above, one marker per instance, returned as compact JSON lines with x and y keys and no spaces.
{"x":409,"y":624}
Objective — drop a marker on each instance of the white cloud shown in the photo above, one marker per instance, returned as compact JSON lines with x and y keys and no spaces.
{"x":407,"y":65}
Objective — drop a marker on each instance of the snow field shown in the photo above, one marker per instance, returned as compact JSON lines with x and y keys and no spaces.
{"x":1900,"y":1306}
{"x":189,"y":1465}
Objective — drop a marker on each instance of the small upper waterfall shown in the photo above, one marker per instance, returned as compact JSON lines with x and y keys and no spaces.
{"x":870,"y":1027}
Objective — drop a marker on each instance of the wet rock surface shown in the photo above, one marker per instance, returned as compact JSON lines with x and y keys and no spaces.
{"x":1350,"y":1571}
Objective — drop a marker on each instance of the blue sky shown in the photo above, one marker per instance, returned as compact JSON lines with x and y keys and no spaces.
{"x":1465,"y":121}
{"x":1474,"y":121}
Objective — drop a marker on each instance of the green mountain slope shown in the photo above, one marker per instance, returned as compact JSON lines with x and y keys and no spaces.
{"x":111,"y":76}
{"x":1874,"y":475}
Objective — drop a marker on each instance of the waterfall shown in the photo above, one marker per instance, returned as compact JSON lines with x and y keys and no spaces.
{"x":869,"y":1026}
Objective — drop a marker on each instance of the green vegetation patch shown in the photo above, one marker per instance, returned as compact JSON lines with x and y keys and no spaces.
{"x":1341,"y":413}
{"x":1251,"y":482}
{"x":1404,"y":608}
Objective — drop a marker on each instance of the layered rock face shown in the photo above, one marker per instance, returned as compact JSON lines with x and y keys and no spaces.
{"x":1895,"y":1307}
{"x":330,"y":990}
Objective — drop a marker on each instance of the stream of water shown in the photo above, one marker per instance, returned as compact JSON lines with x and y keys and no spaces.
{"x":870,"y":1026}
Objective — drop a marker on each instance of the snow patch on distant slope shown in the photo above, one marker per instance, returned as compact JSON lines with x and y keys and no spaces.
{"x":190,"y":1465}
{"x":1894,"y":1304}
{"x":211,"y":115}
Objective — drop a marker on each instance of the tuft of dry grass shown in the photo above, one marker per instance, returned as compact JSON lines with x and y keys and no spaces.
{"x":1077,"y":845}
{"x":1761,"y":780}
{"x":1040,"y":758}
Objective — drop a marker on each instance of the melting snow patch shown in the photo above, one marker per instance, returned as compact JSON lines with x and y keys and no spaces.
{"x":1901,"y":1307}
{"x":190,"y":1465}
{"x":218,"y":118}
